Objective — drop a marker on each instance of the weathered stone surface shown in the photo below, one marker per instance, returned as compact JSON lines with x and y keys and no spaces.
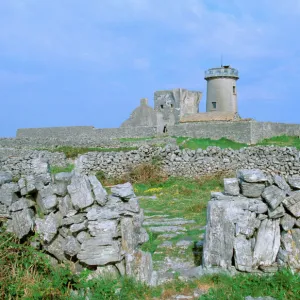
{"x":294,"y":182}
{"x":273,"y":196}
{"x":291,"y":248}
{"x":109,"y":271}
{"x":83,"y":236}
{"x":97,"y":228}
{"x":71,"y":246}
{"x":139,"y":265}
{"x":243,"y":253}
{"x":287,"y":222}
{"x":247,"y":224}
{"x":267,"y":243}
{"x":40,"y":165}
{"x":65,"y":205}
{"x":100,"y":250}
{"x":231,"y":186}
{"x":129,"y":238}
{"x":121,"y":267}
{"x":8,"y":193}
{"x":47,"y":227}
{"x":124,"y":191}
{"x":276,"y":213}
{"x":60,"y":188}
{"x":281,"y":183}
{"x":102,"y":213}
{"x":4,"y":212}
{"x":30,"y":184}
{"x":257,"y":206}
{"x":219,"y":235}
{"x":80,"y":192}
{"x":63,"y":176}
{"x":78,"y":227}
{"x":98,"y":190}
{"x":292,"y":203}
{"x":252,"y":190}
{"x":79,"y":218}
{"x":46,"y":199}
{"x":22,"y":222}
{"x":252,"y":176}
{"x":56,"y":247}
{"x":5,"y":177}
{"x":21,"y":204}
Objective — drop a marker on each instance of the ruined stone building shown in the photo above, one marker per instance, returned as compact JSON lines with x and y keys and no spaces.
{"x":179,"y":105}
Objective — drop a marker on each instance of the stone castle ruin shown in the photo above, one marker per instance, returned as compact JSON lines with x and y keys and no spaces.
{"x":175,"y":114}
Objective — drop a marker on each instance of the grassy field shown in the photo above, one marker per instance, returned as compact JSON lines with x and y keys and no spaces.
{"x":195,"y":143}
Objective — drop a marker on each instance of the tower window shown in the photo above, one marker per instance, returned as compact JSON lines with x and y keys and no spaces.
{"x":161,"y":106}
{"x":233,"y":89}
{"x":172,"y":105}
{"x":214,"y":105}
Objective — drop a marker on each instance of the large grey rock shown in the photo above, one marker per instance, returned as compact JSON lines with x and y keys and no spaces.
{"x":40,"y":166}
{"x":22,"y":222}
{"x":109,"y":271}
{"x":79,"y":227}
{"x":60,"y":188}
{"x":71,"y":246}
{"x":243,"y":253}
{"x":30,"y":184}
{"x":99,"y":213}
{"x":252,"y":176}
{"x":21,"y":204}
{"x":46,"y":200}
{"x":41,"y":180}
{"x":129,"y":236}
{"x":281,"y":183}
{"x":294,"y":182}
{"x":63,"y":177}
{"x":291,"y":249}
{"x":252,"y":190}
{"x":247,"y":224}
{"x":124,"y":191}
{"x":76,"y":219}
{"x":287,"y":222}
{"x":139,"y":265}
{"x":97,"y":228}
{"x":83,"y":236}
{"x":99,"y":250}
{"x":276,"y":213}
{"x":47,"y":227}
{"x":56,"y":247}
{"x":273,"y":196}
{"x":267,"y":243}
{"x":231,"y":186}
{"x":80,"y":192}
{"x":8,"y":193}
{"x":220,"y":234}
{"x":257,"y":206}
{"x":292,"y":203}
{"x":65,"y":205}
{"x":98,"y":190}
{"x":5,"y":177}
{"x":4,"y":212}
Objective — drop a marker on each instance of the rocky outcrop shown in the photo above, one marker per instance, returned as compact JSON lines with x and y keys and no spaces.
{"x":75,"y":218}
{"x":256,"y":229}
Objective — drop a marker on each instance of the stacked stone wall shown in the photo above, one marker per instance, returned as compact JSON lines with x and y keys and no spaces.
{"x":254,"y":226}
{"x":75,"y":219}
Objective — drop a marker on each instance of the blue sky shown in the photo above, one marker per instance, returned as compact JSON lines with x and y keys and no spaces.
{"x":79,"y":62}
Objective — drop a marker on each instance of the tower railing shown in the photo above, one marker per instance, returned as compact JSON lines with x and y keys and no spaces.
{"x":221,"y":72}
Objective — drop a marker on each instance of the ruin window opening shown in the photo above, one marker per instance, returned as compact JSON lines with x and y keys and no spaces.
{"x":171,"y":105}
{"x":165,"y":130}
{"x":233,"y":90}
{"x":161,"y":106}
{"x":214,"y":105}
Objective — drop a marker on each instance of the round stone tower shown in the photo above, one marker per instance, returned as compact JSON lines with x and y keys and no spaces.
{"x":221,"y":89}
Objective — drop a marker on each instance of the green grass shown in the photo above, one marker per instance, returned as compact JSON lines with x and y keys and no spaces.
{"x":283,"y":285}
{"x":58,"y":169}
{"x":73,"y":152}
{"x":123,"y":140}
{"x":282,"y":141}
{"x":194,"y":143}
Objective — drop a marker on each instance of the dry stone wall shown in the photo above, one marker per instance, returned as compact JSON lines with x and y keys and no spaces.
{"x":255,"y":224}
{"x":193,"y":163}
{"x":77,"y":220}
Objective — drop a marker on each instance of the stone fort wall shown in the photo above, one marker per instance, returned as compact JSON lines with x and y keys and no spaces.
{"x":249,"y":132}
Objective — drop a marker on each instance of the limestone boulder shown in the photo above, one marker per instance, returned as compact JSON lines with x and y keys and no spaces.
{"x":294,"y":182}
{"x":21,"y":204}
{"x":23,"y":222}
{"x":80,"y":191}
{"x":274,"y":196}
{"x":231,"y":186}
{"x":8,"y":193}
{"x":124,"y":191}
{"x":292,"y":204}
{"x":252,"y":190}
{"x":243,"y":253}
{"x":5,"y":177}
{"x":251,"y":176}
{"x":98,"y":190}
{"x":47,"y":228}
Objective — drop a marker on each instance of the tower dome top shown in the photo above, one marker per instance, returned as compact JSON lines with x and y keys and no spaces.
{"x":223,"y":71}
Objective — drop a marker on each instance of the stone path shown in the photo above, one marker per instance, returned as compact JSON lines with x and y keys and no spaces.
{"x":177,"y":252}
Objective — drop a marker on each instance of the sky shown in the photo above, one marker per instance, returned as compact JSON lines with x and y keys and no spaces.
{"x":89,"y":62}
